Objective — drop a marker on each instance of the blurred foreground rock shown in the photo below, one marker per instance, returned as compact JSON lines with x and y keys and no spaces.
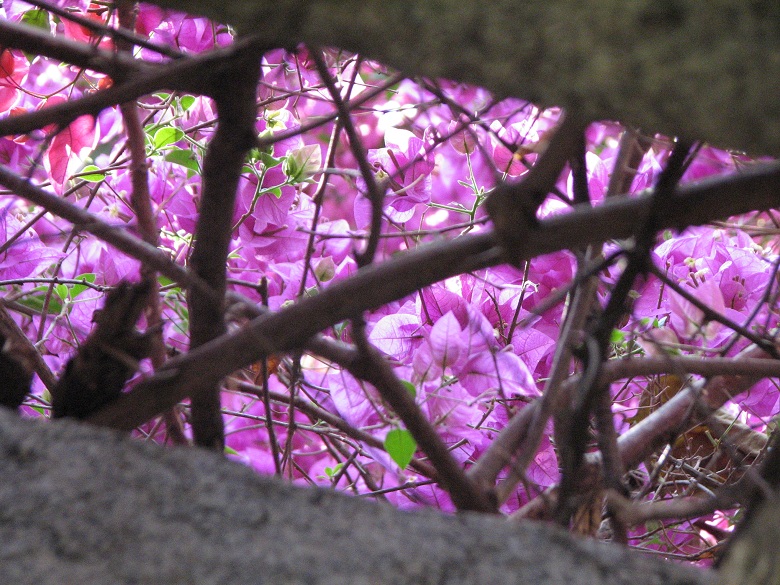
{"x":80,"y":505}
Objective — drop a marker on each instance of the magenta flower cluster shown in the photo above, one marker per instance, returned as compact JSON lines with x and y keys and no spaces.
{"x":474,"y":350}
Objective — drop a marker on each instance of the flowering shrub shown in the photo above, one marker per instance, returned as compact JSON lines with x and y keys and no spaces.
{"x":473,"y":350}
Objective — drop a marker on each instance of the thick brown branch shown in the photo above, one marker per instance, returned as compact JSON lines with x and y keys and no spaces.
{"x":235,"y":91}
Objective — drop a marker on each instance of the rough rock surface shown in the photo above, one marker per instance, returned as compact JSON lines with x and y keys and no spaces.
{"x":80,"y":505}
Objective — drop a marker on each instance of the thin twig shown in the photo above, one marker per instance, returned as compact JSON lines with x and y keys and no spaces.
{"x":375,"y":190}
{"x":314,"y":411}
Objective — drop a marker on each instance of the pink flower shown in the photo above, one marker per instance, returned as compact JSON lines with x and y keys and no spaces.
{"x":406,"y":167}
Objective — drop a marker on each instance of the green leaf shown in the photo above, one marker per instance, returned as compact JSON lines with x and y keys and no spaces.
{"x":165,"y":136}
{"x":617,"y":336}
{"x":77,"y":289}
{"x":91,"y":174}
{"x":187,"y":101}
{"x":185,"y":158}
{"x":275,"y":191}
{"x":400,"y":445}
{"x":230,"y":451}
{"x":268,"y":160}
{"x":331,"y":471}
{"x":339,"y":329}
{"x":38,"y":18}
{"x":410,"y":388}
{"x":36,"y":300}
{"x":62,"y":291}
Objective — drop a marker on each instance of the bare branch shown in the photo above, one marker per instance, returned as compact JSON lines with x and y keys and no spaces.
{"x":376,"y":285}
{"x":194,"y":75}
{"x":35,"y":40}
{"x":235,"y":94}
{"x":118,"y":237}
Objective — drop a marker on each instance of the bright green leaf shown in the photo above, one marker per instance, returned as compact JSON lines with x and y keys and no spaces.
{"x":268,"y":160}
{"x":617,"y":336}
{"x":38,"y":18}
{"x":165,"y":136}
{"x":186,"y":102}
{"x":91,"y":174}
{"x":62,"y":291}
{"x":77,"y":289}
{"x":37,"y":298}
{"x":400,"y":445}
{"x":410,"y":388}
